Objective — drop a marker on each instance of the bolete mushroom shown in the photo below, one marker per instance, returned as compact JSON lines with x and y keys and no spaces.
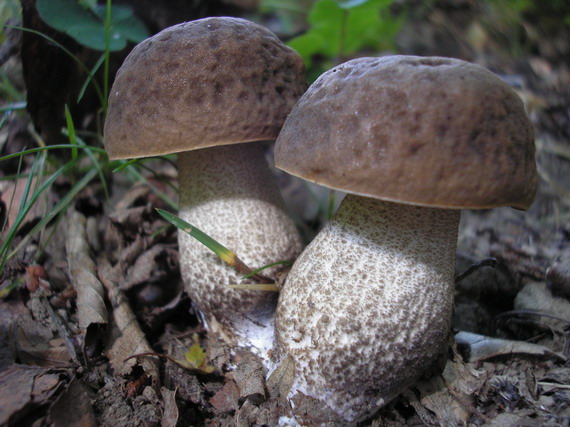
{"x":366,"y":308}
{"x":205,"y":90}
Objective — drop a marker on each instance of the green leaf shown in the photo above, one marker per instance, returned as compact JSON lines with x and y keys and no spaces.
{"x":87,"y":24}
{"x":125,"y":23}
{"x":342,"y":27}
{"x":196,"y":357}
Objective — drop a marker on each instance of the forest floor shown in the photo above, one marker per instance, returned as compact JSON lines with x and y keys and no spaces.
{"x":102,"y":285}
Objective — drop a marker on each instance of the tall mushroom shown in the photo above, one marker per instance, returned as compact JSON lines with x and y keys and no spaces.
{"x":366,"y":308}
{"x":213,"y":86}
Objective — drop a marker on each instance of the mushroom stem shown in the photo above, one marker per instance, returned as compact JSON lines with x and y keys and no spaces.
{"x":230,"y":193}
{"x":366,"y":308}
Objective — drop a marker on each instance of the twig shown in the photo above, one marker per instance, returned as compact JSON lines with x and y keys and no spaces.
{"x":487,"y":262}
{"x":532,"y":313}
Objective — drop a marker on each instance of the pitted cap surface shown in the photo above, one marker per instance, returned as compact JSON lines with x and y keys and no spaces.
{"x":213,"y":81}
{"x":427,"y":131}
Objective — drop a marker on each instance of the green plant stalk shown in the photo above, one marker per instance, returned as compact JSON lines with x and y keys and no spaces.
{"x":71,"y":133}
{"x":23,"y":209}
{"x":10,"y":204}
{"x":160,"y":194}
{"x":13,"y":107}
{"x":59,"y":206}
{"x":330,"y":211}
{"x":90,"y":77}
{"x":68,"y":52}
{"x":51,"y":147}
{"x":265,"y":267}
{"x":107,"y":56}
{"x":220,"y":250}
{"x":267,"y":287}
{"x":96,"y":164}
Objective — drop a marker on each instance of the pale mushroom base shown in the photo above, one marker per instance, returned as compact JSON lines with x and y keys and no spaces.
{"x":230,"y":193}
{"x":366,"y":308}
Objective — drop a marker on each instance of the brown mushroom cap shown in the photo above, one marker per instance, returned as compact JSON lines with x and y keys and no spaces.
{"x":213,"y":81}
{"x":426,"y":131}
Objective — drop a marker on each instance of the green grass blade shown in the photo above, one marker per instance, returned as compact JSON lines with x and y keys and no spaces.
{"x":107,"y":56}
{"x":6,"y":291}
{"x":71,"y":133}
{"x":332,"y":199}
{"x":14,"y":106}
{"x":267,"y":287}
{"x":97,"y":165}
{"x":52,"y":147}
{"x":23,"y":209}
{"x":90,"y":77}
{"x":125,"y":165}
{"x":160,"y":194}
{"x":59,"y":206}
{"x":260,"y":269}
{"x":11,"y":203}
{"x":220,"y":250}
{"x":102,"y":98}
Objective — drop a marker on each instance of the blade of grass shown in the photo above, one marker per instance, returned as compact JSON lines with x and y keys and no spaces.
{"x":330,"y":211}
{"x":125,"y":165}
{"x":107,"y":56}
{"x":23,"y":209}
{"x":160,"y":194}
{"x":266,"y":287}
{"x":6,"y":291}
{"x":59,"y":206}
{"x":14,"y":106}
{"x":90,"y":77}
{"x":220,"y":250}
{"x":11,"y":203}
{"x":138,"y":163}
{"x":260,"y":269}
{"x":95,"y":161}
{"x":102,"y":99}
{"x":71,"y":133}
{"x":98,"y":166}
{"x":51,"y":147}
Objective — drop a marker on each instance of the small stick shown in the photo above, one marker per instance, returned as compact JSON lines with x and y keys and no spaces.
{"x":487,"y":262}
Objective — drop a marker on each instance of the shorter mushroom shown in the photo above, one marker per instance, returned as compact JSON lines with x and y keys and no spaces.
{"x":366,"y":308}
{"x":206,"y":90}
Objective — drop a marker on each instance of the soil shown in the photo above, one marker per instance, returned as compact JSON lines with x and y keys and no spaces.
{"x":101,"y":284}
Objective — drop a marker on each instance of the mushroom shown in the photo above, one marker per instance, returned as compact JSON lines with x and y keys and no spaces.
{"x":366,"y":308}
{"x":205,"y":89}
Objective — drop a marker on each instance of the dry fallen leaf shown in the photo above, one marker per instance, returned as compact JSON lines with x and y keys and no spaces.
{"x":127,"y":337}
{"x":480,"y":347}
{"x":73,"y":407}
{"x":226,"y":399}
{"x":248,"y":375}
{"x":171,"y":413}
{"x":24,"y":389}
{"x":91,"y":307}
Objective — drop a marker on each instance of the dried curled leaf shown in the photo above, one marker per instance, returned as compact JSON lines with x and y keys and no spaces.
{"x":196,"y":357}
{"x":90,"y":292}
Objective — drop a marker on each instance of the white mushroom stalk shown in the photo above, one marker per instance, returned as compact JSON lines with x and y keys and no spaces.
{"x":230,"y":193}
{"x":366,"y":308}
{"x":369,"y":303}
